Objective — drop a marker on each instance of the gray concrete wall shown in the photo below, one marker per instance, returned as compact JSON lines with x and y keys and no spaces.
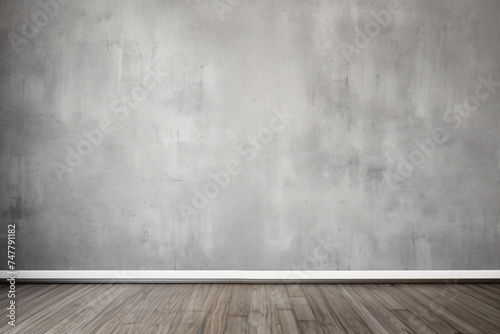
{"x":319,"y":134}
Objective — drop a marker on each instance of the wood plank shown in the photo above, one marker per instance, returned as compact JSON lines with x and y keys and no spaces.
{"x":216,"y":319}
{"x":490,"y":287}
{"x":443,"y":308}
{"x":259,"y":318}
{"x":299,"y":303}
{"x":477,"y":308}
{"x":494,"y":287}
{"x":414,"y":323}
{"x":326,"y":319}
{"x":479,"y":296}
{"x":420,"y":313}
{"x":278,"y":295}
{"x":74,"y":311}
{"x":143,"y":315}
{"x":294,"y":290}
{"x":309,"y":327}
{"x":347,"y":319}
{"x":82,"y":315}
{"x":121,"y":299}
{"x":383,"y":296}
{"x":387,"y":318}
{"x":174,"y":296}
{"x":370,"y":320}
{"x":44,"y":308}
{"x":276,"y":325}
{"x":163,"y":328}
{"x":24,"y":291}
{"x":165,"y":322}
{"x":25,"y":294}
{"x":237,"y":325}
{"x":170,"y":298}
{"x":264,"y":308}
{"x":437,"y":312}
{"x":484,"y":292}
{"x":192,"y":321}
{"x":196,"y":308}
{"x":289,"y":322}
{"x":239,"y":306}
{"x":302,"y":309}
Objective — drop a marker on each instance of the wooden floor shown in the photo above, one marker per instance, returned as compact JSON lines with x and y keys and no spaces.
{"x":254,"y":308}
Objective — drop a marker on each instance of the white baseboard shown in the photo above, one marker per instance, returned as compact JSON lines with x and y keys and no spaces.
{"x":251,"y":276}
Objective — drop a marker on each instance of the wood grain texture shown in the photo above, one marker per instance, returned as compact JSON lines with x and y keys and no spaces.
{"x":254,"y":308}
{"x":471,"y":309}
{"x":445,"y":309}
{"x":419,"y":313}
{"x":386,"y":317}
{"x":480,"y":291}
{"x":326,"y":319}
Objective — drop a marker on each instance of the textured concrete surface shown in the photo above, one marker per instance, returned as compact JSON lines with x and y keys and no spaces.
{"x":319,"y":134}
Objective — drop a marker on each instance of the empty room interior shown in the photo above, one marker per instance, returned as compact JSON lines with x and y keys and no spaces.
{"x":250,"y":166}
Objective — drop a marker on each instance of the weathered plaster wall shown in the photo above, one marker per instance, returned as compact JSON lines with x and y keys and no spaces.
{"x":338,"y":132}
